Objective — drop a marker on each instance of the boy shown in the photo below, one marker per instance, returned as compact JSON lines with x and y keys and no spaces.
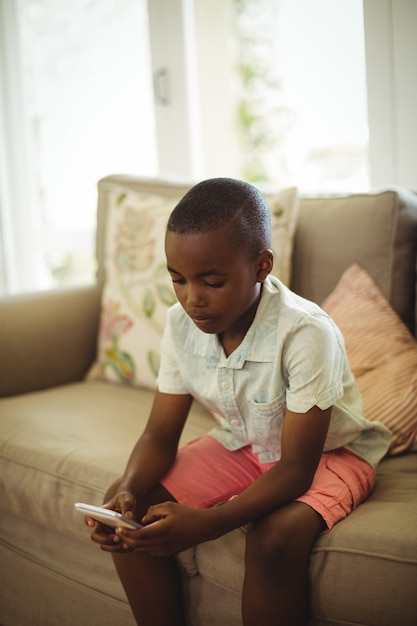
{"x":293,"y":454}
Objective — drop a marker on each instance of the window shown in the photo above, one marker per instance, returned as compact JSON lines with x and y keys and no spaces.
{"x":277,"y":92}
{"x":303,"y":107}
{"x":88,"y":112}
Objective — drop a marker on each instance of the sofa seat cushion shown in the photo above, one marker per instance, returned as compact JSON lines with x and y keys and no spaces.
{"x":378,"y":541}
{"x":69,"y":444}
{"x":63,"y":555}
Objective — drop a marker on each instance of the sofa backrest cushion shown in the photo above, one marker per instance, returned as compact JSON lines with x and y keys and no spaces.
{"x":378,"y":231}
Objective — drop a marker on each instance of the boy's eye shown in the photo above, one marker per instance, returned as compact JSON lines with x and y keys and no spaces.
{"x":215,"y":285}
{"x":181,"y":281}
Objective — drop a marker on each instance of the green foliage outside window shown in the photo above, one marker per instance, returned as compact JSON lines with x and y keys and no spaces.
{"x":262,"y":115}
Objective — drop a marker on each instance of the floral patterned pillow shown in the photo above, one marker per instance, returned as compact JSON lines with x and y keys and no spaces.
{"x":284,"y":213}
{"x":138,"y":288}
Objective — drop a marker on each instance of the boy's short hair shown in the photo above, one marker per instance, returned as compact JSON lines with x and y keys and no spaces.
{"x":217,"y":202}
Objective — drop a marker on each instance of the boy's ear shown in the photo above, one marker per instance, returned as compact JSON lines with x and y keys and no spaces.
{"x":265,"y":263}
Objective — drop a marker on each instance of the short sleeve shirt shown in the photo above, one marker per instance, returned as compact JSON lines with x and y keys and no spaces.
{"x":293,"y":356}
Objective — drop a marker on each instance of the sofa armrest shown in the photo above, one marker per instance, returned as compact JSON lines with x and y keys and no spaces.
{"x":47,"y":338}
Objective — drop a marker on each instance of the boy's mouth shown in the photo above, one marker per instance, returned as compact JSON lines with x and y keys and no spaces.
{"x":202,"y":322}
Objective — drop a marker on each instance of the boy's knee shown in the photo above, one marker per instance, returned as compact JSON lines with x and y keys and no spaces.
{"x":283,"y":536}
{"x":267,"y":542}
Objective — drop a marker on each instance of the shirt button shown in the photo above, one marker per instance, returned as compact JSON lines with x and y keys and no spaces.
{"x":235,"y":422}
{"x":225,"y":385}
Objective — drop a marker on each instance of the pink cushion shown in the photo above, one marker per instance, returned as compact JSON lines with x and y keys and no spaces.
{"x":382,"y":354}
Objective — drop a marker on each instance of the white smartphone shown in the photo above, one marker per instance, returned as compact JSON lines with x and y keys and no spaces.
{"x":106,"y":516}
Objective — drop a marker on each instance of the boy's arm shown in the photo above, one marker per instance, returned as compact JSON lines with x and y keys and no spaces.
{"x":155,"y":451}
{"x":303,"y":438}
{"x":150,"y":460}
{"x":180,"y":527}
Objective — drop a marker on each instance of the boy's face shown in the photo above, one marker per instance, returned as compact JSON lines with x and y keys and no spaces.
{"x":216,"y":284}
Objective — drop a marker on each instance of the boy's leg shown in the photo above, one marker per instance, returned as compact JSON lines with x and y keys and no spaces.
{"x":152,"y":584}
{"x":278,"y":546}
{"x":275,"y":589}
{"x":203,"y":474}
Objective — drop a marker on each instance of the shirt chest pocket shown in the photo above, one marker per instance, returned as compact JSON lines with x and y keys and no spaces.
{"x":265,"y":421}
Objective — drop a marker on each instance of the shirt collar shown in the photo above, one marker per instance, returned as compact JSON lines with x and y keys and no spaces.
{"x":259,"y":343}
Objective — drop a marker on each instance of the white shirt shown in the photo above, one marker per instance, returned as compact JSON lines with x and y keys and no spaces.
{"x":293,"y":356}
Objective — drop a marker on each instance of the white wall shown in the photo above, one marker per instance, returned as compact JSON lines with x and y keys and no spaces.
{"x":217,"y":95}
{"x":16,"y":185}
{"x":177,"y":110}
{"x":391,"y":58}
{"x":191,"y":64}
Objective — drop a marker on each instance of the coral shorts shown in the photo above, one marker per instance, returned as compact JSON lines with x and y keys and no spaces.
{"x":205,"y":473}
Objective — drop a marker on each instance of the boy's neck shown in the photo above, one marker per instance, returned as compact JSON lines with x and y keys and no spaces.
{"x":233,"y":337}
{"x":229,"y":344}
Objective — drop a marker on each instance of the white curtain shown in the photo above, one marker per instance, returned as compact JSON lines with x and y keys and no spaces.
{"x":18,"y":254}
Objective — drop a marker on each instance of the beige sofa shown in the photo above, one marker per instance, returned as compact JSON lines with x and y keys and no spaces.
{"x":64,"y":438}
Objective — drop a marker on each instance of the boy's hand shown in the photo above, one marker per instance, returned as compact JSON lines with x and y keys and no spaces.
{"x":123,"y":502}
{"x":168,"y":529}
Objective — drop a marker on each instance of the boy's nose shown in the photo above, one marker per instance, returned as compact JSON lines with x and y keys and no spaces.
{"x":195,"y":297}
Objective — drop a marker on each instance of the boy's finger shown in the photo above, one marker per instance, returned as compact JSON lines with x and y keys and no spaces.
{"x":104,"y":534}
{"x":127,"y":505}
